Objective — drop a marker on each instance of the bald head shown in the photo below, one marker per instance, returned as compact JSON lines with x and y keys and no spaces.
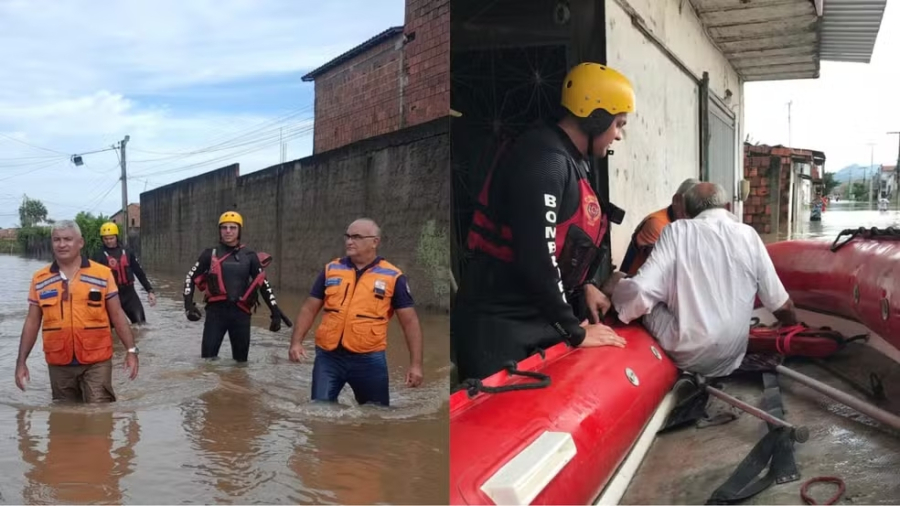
{"x":366,"y":226}
{"x":361,"y":241}
{"x":703,"y":197}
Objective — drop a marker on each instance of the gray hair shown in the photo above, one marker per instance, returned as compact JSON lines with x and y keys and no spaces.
{"x":686,"y":185}
{"x":370,"y":221}
{"x":66,"y":225}
{"x":699,"y":198}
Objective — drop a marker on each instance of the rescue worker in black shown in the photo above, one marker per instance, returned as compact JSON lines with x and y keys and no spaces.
{"x":125,"y":268}
{"x":535,"y":238}
{"x":232,"y":276}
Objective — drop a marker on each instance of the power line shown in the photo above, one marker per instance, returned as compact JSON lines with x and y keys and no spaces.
{"x":32,"y":145}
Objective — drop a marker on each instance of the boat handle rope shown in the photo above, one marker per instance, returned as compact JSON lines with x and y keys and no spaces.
{"x":474,"y":386}
{"x":804,"y":490}
{"x":868,"y":233}
{"x":784,"y":334}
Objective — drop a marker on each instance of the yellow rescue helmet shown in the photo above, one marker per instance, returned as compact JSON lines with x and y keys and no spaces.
{"x":231,"y":217}
{"x":109,"y":228}
{"x":591,"y":86}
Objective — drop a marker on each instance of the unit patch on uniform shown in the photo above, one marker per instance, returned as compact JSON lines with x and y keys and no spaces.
{"x":332,"y":281}
{"x":48,"y":294}
{"x":380,"y":287}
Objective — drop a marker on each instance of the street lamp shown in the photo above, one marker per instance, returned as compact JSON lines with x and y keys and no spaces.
{"x":76,"y":159}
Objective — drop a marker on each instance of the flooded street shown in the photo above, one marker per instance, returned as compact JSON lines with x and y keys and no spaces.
{"x":840,"y":216}
{"x":191,"y":431}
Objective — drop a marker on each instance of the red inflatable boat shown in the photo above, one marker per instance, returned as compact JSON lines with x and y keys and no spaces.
{"x":855,"y":278}
{"x":554,"y":429}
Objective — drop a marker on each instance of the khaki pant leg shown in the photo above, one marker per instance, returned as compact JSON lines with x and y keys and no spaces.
{"x":65,"y":382}
{"x":97,"y":383}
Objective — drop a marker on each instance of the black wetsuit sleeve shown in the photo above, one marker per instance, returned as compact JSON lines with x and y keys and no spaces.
{"x":268,"y":294}
{"x":535,"y":191}
{"x":199,"y":268}
{"x":100,"y":258}
{"x":139,"y":272}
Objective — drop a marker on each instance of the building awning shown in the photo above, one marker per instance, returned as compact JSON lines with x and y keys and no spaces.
{"x":768,"y":40}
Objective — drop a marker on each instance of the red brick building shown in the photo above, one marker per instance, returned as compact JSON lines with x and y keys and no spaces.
{"x":769,"y":170}
{"x":397,"y":79}
{"x":134,"y":217}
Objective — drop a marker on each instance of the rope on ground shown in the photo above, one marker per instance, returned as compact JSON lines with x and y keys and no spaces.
{"x":804,"y":490}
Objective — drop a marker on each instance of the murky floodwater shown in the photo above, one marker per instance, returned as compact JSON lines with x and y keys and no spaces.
{"x":191,"y":431}
{"x":840,"y":216}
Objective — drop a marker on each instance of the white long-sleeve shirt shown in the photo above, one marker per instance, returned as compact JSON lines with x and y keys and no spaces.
{"x":707,"y":272}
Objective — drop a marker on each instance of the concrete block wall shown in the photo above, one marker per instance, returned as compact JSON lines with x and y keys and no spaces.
{"x":299,"y":211}
{"x":360,"y":98}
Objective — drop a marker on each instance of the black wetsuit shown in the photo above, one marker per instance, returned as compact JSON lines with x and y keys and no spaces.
{"x":128,"y":296}
{"x":506,"y":310}
{"x":238,"y":271}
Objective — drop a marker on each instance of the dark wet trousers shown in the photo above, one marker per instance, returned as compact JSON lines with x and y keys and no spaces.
{"x":131,"y":304}
{"x":366,"y":373}
{"x":222,"y":317}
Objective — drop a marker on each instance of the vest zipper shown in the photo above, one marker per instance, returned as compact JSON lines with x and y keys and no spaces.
{"x":346,"y":289}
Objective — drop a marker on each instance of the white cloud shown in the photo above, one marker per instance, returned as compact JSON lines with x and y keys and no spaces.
{"x":81,"y":75}
{"x":849,"y":106}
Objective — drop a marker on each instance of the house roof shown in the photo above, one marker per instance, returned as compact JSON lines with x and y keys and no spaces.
{"x":888,"y":168}
{"x":365,"y":46}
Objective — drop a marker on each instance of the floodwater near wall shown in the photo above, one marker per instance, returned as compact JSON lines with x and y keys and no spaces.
{"x":191,"y":431}
{"x":840,"y":216}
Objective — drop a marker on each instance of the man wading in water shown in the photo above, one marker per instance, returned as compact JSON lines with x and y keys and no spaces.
{"x":75,"y":299}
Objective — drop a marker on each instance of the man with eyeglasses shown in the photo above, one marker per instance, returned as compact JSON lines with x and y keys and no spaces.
{"x":359,"y":293}
{"x":72,"y":302}
{"x":231,"y":275}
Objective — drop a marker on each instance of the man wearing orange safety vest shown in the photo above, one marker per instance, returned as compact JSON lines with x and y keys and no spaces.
{"x":648,"y":231}
{"x":125,"y":268}
{"x":232,"y":276}
{"x":72,"y":302}
{"x":360,"y":293}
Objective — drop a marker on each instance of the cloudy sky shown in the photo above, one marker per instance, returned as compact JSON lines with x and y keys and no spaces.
{"x":849,"y":106}
{"x":197,"y":85}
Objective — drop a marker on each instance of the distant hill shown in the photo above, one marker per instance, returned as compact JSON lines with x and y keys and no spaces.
{"x":856,"y":171}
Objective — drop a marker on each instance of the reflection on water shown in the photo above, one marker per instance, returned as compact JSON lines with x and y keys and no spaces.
{"x":192,"y":431}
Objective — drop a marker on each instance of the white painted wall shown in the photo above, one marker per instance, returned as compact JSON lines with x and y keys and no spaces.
{"x":661,"y":145}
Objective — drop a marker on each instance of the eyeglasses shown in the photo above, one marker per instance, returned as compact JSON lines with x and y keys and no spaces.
{"x":357,"y":237}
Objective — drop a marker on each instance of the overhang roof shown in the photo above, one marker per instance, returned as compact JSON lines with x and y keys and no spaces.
{"x":767,"y":40}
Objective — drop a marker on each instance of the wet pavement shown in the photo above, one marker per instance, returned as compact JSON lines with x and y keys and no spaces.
{"x":687,"y":465}
{"x":190,"y":431}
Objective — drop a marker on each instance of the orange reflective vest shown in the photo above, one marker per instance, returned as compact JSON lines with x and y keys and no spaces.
{"x":75,"y":323}
{"x":357,"y":312}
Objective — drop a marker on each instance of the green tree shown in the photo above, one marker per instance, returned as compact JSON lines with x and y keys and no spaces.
{"x":90,"y":230}
{"x":860,"y":192}
{"x":830,"y":183}
{"x":32,"y":212}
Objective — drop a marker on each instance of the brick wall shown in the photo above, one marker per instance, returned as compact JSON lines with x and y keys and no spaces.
{"x":427,"y":91}
{"x":391,"y":86}
{"x":360,"y":98}
{"x":134,"y":216}
{"x":298,"y":212}
{"x":769,"y":170}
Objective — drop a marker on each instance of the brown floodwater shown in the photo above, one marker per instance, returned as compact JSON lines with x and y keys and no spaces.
{"x":191,"y":431}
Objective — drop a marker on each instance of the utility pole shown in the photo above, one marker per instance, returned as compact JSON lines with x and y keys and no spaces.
{"x":897,"y":168}
{"x":124,"y":189}
{"x":790,"y":145}
{"x":872,"y":166}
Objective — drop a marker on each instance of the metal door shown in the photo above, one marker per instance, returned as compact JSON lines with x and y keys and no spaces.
{"x":721,"y":156}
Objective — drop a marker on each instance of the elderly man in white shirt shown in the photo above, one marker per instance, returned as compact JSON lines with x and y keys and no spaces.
{"x":696,"y":291}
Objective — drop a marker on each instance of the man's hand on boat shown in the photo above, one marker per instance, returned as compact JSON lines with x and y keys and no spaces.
{"x":597,"y":302}
{"x":597,"y":334}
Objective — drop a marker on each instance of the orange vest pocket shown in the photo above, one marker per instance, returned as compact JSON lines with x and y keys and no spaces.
{"x":96,"y":344}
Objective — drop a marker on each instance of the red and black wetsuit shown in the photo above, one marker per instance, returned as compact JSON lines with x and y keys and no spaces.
{"x":125,"y":268}
{"x":534,"y":238}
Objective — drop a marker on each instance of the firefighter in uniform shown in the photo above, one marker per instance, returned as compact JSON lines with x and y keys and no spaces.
{"x":536,"y":235}
{"x":232,"y":276}
{"x":125,"y":268}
